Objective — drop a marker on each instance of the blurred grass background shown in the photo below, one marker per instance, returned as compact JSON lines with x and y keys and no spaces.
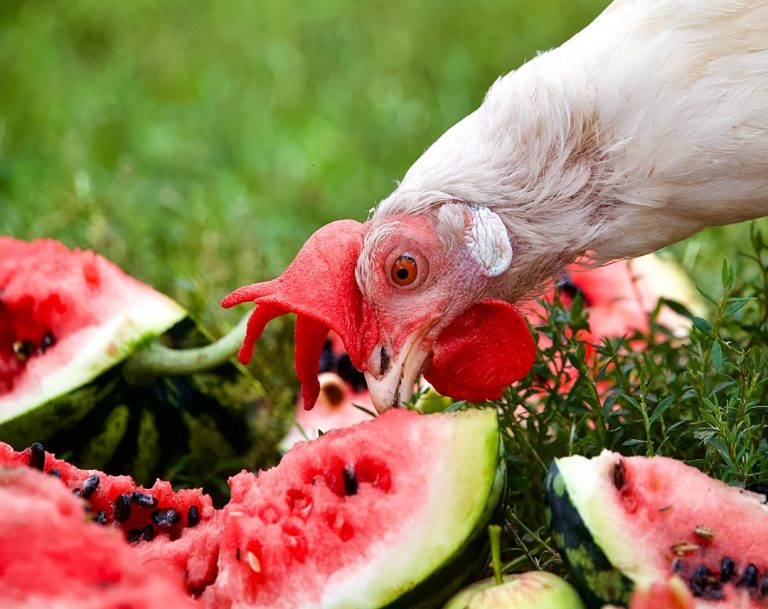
{"x":198,"y":144}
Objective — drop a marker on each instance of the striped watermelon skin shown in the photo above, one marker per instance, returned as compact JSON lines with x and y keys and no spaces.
{"x":628,"y":523}
{"x":68,"y":320}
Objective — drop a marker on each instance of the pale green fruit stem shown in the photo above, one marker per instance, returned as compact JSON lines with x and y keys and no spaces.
{"x":494,"y":532}
{"x":154,"y":360}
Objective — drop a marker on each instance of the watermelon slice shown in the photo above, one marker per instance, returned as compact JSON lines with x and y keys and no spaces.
{"x":66,"y":316}
{"x":178,"y":523}
{"x":388,"y":511}
{"x":626,"y":522}
{"x":361,"y":516}
{"x":51,"y":556}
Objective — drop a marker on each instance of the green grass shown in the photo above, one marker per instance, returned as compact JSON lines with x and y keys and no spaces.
{"x":199,"y":144}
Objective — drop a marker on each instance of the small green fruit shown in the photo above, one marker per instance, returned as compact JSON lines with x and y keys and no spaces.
{"x":537,"y":589}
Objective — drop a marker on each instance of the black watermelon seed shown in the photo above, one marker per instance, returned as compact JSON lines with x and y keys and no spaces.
{"x":749,"y":579}
{"x":350,"y":479}
{"x":144,"y":500}
{"x":618,"y":474}
{"x":570,"y":289}
{"x":677,"y":565}
{"x":148,"y":532}
{"x":23,"y":350}
{"x":704,"y":585}
{"x":352,"y":375}
{"x":90,"y":485}
{"x":193,"y":516}
{"x":134,"y":535}
{"x":166,"y":518}
{"x":237,"y":554}
{"x":727,"y":568}
{"x":47,"y":342}
{"x":122,"y":507}
{"x":37,"y":456}
{"x":101,"y":517}
{"x":55,"y":473}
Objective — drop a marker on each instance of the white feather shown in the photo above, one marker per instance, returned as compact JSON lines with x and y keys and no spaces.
{"x":645,"y":127}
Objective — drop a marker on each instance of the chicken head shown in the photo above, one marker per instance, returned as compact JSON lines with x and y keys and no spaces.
{"x":408,"y":294}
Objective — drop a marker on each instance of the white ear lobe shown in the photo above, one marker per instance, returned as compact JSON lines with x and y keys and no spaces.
{"x":488,"y":242}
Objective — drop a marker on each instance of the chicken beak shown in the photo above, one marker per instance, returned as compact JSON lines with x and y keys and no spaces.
{"x":395,"y":383}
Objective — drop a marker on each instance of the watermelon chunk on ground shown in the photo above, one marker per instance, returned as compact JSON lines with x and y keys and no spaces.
{"x":387,"y":512}
{"x":65,"y":317}
{"x":633,"y":522}
{"x":360,"y":516}
{"x":52,"y":556}
{"x":172,"y":530}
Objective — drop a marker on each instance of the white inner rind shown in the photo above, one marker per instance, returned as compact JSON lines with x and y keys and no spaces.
{"x":83,"y":355}
{"x":592,"y":493}
{"x":462,"y":455}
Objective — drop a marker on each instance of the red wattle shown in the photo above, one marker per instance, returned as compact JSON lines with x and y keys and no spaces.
{"x":485,"y":349}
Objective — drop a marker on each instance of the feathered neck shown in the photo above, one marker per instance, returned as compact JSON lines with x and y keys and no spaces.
{"x":645,"y":127}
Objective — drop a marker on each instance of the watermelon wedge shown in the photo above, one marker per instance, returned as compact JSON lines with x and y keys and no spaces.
{"x":52,"y":557}
{"x":66,"y":316}
{"x":180,"y":524}
{"x":386,"y":512}
{"x":633,"y":522}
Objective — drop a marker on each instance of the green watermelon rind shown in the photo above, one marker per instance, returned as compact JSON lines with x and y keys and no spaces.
{"x":582,"y":523}
{"x":104,"y":346}
{"x":468,"y":561}
{"x":472,"y":487}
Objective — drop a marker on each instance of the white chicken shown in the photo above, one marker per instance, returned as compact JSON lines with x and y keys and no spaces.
{"x":647,"y":126}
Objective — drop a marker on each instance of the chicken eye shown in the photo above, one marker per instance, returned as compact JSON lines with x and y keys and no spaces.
{"x":404,"y":271}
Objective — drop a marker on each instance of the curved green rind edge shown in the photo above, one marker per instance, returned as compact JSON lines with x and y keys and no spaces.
{"x":469,"y":560}
{"x":596,"y":578}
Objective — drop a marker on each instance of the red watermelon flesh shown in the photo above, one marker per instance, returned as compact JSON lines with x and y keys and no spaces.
{"x":65,"y":317}
{"x":657,"y":517}
{"x":69,"y":561}
{"x":356,"y":518}
{"x":381,"y":497}
{"x":673,"y":594}
{"x":175,"y":529}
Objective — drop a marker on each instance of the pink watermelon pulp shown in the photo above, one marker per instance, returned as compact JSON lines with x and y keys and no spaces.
{"x":177,"y":523}
{"x":65,"y":317}
{"x":51,"y":556}
{"x":626,"y":522}
{"x":358,"y":517}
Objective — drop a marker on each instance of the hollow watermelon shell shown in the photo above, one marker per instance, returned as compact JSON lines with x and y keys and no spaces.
{"x":631,"y":522}
{"x":52,"y":556}
{"x":66,"y":316}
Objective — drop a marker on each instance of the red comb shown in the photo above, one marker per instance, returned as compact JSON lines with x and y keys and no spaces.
{"x":319,"y":286}
{"x":485,"y":349}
